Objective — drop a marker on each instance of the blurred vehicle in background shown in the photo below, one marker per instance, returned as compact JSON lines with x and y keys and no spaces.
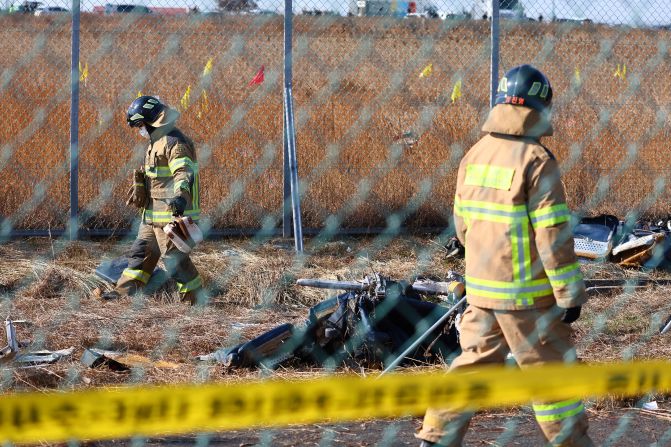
{"x":126,"y":9}
{"x":508,"y":10}
{"x":26,"y":7}
{"x":48,"y":10}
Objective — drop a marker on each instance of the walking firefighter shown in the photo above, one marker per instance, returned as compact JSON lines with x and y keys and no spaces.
{"x":523,"y":281}
{"x":166,"y":190}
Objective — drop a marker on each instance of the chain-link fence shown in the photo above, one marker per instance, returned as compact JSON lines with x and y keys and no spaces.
{"x":388,"y":96}
{"x":386,"y":100}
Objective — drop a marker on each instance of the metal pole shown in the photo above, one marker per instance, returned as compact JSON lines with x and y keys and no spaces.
{"x":494,"y":73}
{"x":286,"y":200}
{"x":421,"y":338}
{"x":286,"y":172}
{"x":74,"y":124}
{"x":290,"y":131}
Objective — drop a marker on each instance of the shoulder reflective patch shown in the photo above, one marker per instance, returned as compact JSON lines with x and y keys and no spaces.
{"x":489,"y":176}
{"x":137,"y":116}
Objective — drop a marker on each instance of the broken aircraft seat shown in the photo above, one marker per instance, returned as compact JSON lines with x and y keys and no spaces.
{"x":593,"y":237}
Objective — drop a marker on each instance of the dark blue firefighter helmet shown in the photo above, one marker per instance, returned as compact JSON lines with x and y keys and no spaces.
{"x":144,"y":110}
{"x":525,"y":86}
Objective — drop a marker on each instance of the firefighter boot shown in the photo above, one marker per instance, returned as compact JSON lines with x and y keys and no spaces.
{"x":196,"y":297}
{"x":108,"y":295}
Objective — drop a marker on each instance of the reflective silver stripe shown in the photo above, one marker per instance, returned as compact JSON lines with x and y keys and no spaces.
{"x":511,"y":289}
{"x":559,"y":410}
{"x":563,"y":276}
{"x":517,"y":214}
{"x":520,"y":252}
{"x":560,"y":213}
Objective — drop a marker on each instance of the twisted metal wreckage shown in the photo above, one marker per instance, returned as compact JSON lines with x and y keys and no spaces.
{"x":375,"y":321}
{"x":382,"y":321}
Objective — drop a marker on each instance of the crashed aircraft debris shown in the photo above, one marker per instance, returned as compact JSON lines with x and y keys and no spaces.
{"x":12,"y":352}
{"x":374,"y":321}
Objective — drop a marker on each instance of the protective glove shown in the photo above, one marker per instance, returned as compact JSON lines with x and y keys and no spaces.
{"x":571,"y":314}
{"x":454,"y":248}
{"x":177,"y":205}
{"x":137,"y":194}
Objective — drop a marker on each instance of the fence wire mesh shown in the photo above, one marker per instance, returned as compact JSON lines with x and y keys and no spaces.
{"x":389,"y":96}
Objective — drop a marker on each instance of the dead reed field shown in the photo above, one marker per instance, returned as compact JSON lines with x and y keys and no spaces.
{"x":252,"y":287}
{"x":357,"y":91}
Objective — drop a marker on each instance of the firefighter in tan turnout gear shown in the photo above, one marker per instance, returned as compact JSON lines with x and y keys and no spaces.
{"x":166,"y":187}
{"x":523,"y":281}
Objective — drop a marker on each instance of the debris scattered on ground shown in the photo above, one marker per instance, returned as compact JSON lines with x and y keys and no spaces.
{"x":605,"y":238}
{"x":110,"y":271}
{"x":373,"y":322}
{"x":12,"y":352}
{"x":120,"y":361}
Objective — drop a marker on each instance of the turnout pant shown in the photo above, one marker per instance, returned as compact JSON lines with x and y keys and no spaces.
{"x":534,"y":336}
{"x":150,"y":245}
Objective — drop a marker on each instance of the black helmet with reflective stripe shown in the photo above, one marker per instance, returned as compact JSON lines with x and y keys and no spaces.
{"x":525,"y":86}
{"x":144,"y":110}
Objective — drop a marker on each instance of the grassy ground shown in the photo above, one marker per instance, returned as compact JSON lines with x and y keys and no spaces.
{"x":49,"y":284}
{"x":357,"y":91}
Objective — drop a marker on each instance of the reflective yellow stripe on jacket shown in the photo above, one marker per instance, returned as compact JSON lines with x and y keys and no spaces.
{"x":549,"y":216}
{"x":518,"y":218}
{"x":157,"y":171}
{"x":523,"y":290}
{"x":565,"y":276}
{"x":166,"y":216}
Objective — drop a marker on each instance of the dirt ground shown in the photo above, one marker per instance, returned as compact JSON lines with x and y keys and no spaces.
{"x":620,"y":427}
{"x":252,"y":289}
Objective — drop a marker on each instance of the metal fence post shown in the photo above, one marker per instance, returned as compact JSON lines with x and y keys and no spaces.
{"x":286,"y":171}
{"x":73,"y":224}
{"x":494,"y":68}
{"x":289,"y":129}
{"x":286,"y":197}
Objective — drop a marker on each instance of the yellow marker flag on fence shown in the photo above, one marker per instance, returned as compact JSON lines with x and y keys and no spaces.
{"x":83,"y":73}
{"x":576,"y":75}
{"x":456,"y":91}
{"x":139,"y":93}
{"x":621,"y":72}
{"x":427,"y":71}
{"x":208,"y":66}
{"x":204,"y":104}
{"x":186,"y":98}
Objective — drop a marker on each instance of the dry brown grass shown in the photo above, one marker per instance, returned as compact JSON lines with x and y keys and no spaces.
{"x":48,"y":284}
{"x":364,"y":55}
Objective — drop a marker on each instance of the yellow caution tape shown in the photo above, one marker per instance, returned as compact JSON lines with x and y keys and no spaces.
{"x":117,"y":413}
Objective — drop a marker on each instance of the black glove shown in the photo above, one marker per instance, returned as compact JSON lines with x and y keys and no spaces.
{"x":454,"y":248}
{"x":571,"y":314}
{"x":177,"y":205}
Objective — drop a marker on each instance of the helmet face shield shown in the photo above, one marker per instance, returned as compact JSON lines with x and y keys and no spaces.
{"x":136,"y":121}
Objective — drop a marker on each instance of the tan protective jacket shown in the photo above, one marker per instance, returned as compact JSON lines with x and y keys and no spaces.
{"x":511,"y":216}
{"x":171,"y":170}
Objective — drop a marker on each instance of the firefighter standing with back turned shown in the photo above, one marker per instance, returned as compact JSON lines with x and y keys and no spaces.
{"x":523,"y":281}
{"x":167,"y":187}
